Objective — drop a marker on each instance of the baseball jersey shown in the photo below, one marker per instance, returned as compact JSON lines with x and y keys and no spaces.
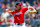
{"x":19,"y":15}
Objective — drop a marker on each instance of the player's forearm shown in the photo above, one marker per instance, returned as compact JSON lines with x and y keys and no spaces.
{"x":10,"y":12}
{"x":33,"y":9}
{"x":30,"y":7}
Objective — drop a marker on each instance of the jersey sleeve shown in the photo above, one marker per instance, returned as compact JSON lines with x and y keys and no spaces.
{"x":24,"y":9}
{"x":12,"y":12}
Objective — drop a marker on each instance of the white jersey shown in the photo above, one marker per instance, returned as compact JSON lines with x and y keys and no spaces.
{"x":5,"y":15}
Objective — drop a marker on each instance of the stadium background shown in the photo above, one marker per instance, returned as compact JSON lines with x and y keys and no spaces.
{"x":30,"y":19}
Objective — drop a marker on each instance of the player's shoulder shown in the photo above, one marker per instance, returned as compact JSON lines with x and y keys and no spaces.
{"x":24,"y":7}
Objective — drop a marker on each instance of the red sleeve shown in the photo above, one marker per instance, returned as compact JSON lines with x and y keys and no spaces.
{"x":12,"y":12}
{"x":24,"y":9}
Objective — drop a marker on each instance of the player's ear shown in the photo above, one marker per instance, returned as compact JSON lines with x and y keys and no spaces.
{"x":16,"y":6}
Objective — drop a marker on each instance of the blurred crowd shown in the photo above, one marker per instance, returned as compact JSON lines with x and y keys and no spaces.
{"x":31,"y":20}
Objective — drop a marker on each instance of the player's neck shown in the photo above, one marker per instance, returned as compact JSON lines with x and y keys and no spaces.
{"x":18,"y":9}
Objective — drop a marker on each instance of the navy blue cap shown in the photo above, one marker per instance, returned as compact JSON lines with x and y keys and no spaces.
{"x":18,"y":4}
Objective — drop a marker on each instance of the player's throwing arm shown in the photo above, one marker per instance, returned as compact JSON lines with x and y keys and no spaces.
{"x":32,"y":11}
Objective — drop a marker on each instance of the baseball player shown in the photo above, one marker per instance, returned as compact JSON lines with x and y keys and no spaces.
{"x":18,"y":14}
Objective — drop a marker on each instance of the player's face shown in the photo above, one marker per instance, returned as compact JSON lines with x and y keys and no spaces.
{"x":18,"y":7}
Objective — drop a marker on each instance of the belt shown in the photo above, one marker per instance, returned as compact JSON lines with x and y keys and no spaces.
{"x":20,"y":24}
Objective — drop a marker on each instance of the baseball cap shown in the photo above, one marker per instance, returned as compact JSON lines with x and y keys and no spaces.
{"x":18,"y":4}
